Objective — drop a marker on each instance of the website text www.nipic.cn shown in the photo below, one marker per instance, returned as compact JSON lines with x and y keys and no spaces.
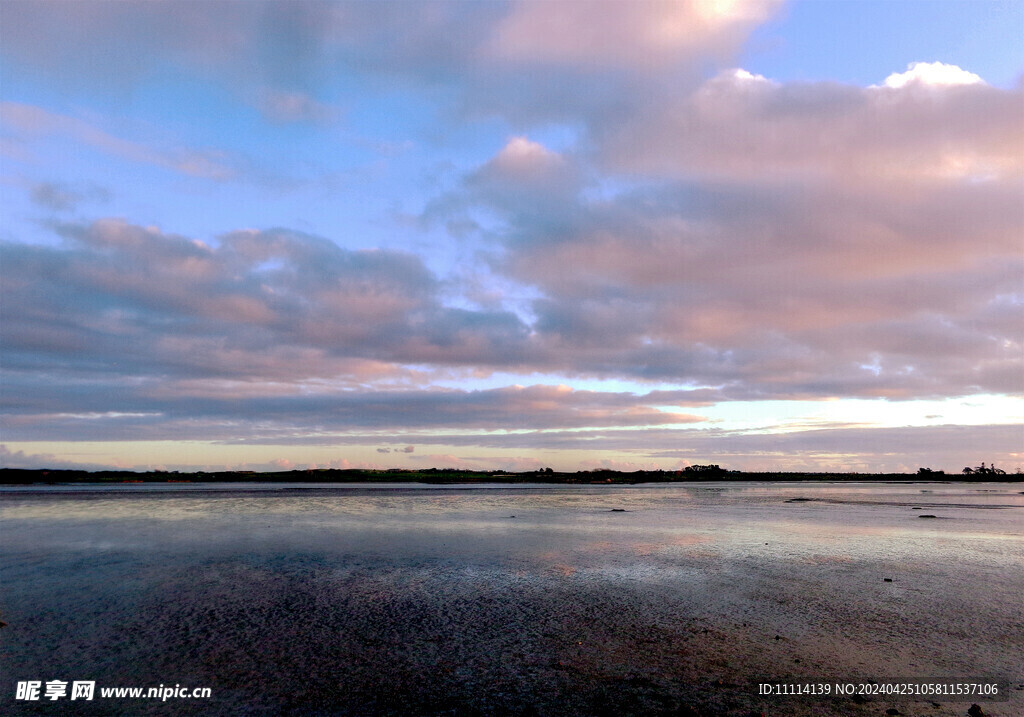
{"x":56,"y":690}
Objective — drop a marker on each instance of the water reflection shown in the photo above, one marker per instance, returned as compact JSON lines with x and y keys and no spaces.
{"x":254,"y":589}
{"x":731,"y":519}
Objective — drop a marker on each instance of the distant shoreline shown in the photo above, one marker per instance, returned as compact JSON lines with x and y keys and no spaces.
{"x":20,"y":476}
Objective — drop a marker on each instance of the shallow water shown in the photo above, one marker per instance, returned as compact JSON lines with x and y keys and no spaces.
{"x":414,"y":599}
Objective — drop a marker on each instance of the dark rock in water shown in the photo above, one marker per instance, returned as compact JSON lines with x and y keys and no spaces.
{"x":618,"y":510}
{"x":798,"y":500}
{"x":927,"y":516}
{"x":916,"y":508}
{"x":976,"y":711}
{"x":888,"y":580}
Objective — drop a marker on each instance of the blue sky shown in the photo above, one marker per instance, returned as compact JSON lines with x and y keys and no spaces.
{"x":764,"y":234}
{"x":862,"y":42}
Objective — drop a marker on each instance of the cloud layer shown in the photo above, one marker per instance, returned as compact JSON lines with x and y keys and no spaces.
{"x":643,"y":211}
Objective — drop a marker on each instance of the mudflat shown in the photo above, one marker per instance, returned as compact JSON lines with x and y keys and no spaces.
{"x":647,"y":599}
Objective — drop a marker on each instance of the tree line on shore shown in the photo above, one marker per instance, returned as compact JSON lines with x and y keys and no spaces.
{"x":693,"y":473}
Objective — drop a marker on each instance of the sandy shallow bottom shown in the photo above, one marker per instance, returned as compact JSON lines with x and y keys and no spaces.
{"x":627,"y":600}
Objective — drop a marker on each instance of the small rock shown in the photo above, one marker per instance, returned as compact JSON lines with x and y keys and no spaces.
{"x":927,"y":516}
{"x":778,"y":637}
{"x":976,"y":711}
{"x":618,"y":510}
{"x":888,"y":580}
{"x":859,"y":699}
{"x":892,"y":711}
{"x":916,"y":508}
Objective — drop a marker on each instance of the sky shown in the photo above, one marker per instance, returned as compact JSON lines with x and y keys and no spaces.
{"x":636,"y":234}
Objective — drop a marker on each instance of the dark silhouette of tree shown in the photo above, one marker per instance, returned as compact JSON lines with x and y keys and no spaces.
{"x":704,"y":472}
{"x":985,"y":470}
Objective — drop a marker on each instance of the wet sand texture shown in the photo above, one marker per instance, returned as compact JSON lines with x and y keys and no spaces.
{"x":438,"y":603}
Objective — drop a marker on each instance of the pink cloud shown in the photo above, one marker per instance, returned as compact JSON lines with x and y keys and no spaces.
{"x":744,"y":126}
{"x":31,"y":122}
{"x":643,"y":34}
{"x":293,"y":106}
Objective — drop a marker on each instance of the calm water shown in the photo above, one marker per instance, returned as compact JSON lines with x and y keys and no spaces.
{"x":383,"y":599}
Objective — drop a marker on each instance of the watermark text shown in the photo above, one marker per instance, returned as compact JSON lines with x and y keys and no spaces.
{"x":55,"y":690}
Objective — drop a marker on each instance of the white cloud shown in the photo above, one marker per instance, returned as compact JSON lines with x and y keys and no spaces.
{"x":932,"y":73}
{"x":522,"y":155}
{"x":741,"y":75}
